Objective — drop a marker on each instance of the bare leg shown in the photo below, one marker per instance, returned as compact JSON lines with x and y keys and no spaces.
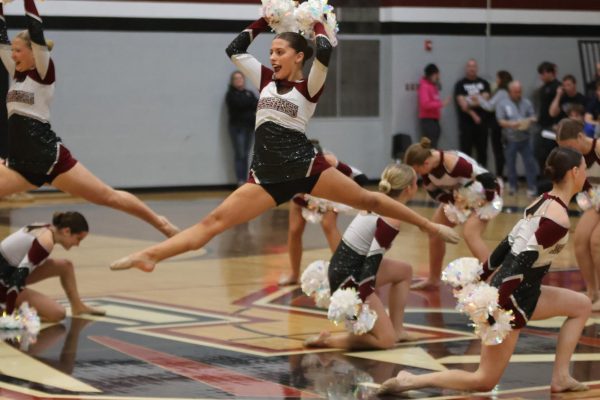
{"x":12,"y":182}
{"x":587,"y":225}
{"x":382,"y":336}
{"x":82,"y":183}
{"x":494,"y":360}
{"x":66,"y":272}
{"x":330,"y":229}
{"x":595,"y":253}
{"x":437,"y":251}
{"x":48,"y":309}
{"x":576,"y":307}
{"x":244,"y":204}
{"x":473,"y":232}
{"x":335,"y":186}
{"x":398,"y":274}
{"x":295,"y":231}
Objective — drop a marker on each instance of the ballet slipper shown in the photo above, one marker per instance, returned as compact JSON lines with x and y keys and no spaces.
{"x":571,"y":385}
{"x":167,"y":228}
{"x":396,"y":385}
{"x":129,"y":262}
{"x":317,"y":340}
{"x":288,"y":280}
{"x":425,"y":285}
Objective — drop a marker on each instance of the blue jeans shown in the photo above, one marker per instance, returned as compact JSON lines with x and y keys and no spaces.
{"x":524,"y":148}
{"x":241,"y":138}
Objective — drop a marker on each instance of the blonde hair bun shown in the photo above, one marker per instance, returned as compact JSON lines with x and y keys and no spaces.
{"x":384,"y":186}
{"x":50,"y":44}
{"x":425,"y":142}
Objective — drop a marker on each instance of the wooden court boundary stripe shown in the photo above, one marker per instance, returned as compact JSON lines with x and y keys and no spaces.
{"x":226,"y":380}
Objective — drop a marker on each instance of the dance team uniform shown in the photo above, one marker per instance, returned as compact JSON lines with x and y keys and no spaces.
{"x":356,"y":260}
{"x":34,"y":150}
{"x":524,"y":257}
{"x":441,"y":183}
{"x":20,"y":254}
{"x":285,"y":162}
{"x":348,"y":170}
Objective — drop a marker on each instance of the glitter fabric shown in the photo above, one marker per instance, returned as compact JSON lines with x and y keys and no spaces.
{"x":344,"y":267}
{"x":281,"y":154}
{"x":3,"y":32}
{"x":32,"y":145}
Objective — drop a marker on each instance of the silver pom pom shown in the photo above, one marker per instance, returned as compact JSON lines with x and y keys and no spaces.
{"x":364,"y":322}
{"x":455,"y":215}
{"x":495,"y":334}
{"x":280,"y":15}
{"x":312,"y":216}
{"x":589,"y":199}
{"x":491,"y":209}
{"x":462,"y":272}
{"x":344,"y":305}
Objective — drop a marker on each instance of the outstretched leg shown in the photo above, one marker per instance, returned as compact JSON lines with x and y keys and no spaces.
{"x":576,"y":307}
{"x":64,"y":270}
{"x":244,"y":204}
{"x":494,"y":360}
{"x":78,"y":181}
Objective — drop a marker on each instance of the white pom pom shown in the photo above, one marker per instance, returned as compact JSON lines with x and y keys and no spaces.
{"x":312,"y":216}
{"x":312,"y":11}
{"x":478,"y":300}
{"x":280,"y":15}
{"x":491,"y":209}
{"x":473,"y":195}
{"x":462,"y":272}
{"x":315,"y":277}
{"x":10,"y":322}
{"x":365,"y":321}
{"x":456,"y":215}
{"x":29,"y":318}
{"x":589,"y":199}
{"x":495,"y":334}
{"x":344,"y":305}
{"x":322,"y":297}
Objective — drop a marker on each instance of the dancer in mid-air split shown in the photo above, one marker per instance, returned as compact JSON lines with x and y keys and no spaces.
{"x":285,"y":162}
{"x":36,"y":155}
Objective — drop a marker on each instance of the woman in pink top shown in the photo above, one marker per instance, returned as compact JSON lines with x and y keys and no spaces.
{"x":430,"y":105}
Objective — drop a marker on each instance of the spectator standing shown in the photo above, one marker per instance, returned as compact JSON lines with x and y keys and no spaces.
{"x":590,"y":87}
{"x":515,"y":115}
{"x":547,"y":93}
{"x":472,"y":118}
{"x":503,"y":78}
{"x":430,"y":105}
{"x":592,"y":113}
{"x":241,"y":104}
{"x":566,"y":97}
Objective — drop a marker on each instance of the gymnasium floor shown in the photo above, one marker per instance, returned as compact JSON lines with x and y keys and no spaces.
{"x":214,"y":325}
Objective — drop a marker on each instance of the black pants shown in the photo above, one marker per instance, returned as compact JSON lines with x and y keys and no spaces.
{"x":430,"y":128}
{"x":542,"y":148}
{"x":474,"y":136}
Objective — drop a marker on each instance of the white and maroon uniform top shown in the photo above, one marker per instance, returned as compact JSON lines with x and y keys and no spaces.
{"x":440,"y":183}
{"x":293,"y":109}
{"x":30,"y":92}
{"x":356,"y":260}
{"x":524,"y":257}
{"x":21,"y":253}
{"x":22,"y":249}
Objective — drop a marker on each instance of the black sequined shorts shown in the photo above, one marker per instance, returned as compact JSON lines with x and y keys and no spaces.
{"x":35,"y":152}
{"x":284,"y":191}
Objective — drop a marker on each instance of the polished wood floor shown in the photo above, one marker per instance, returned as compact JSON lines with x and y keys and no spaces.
{"x":214,"y":324}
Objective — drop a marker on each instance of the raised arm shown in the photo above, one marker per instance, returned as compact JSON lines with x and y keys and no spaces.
{"x":41,"y":53}
{"x":5,"y":50}
{"x":238,"y":52}
{"x":318,"y":71}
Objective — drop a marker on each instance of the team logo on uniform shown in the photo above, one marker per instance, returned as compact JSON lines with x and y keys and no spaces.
{"x":277,"y":104}
{"x":20,"y":96}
